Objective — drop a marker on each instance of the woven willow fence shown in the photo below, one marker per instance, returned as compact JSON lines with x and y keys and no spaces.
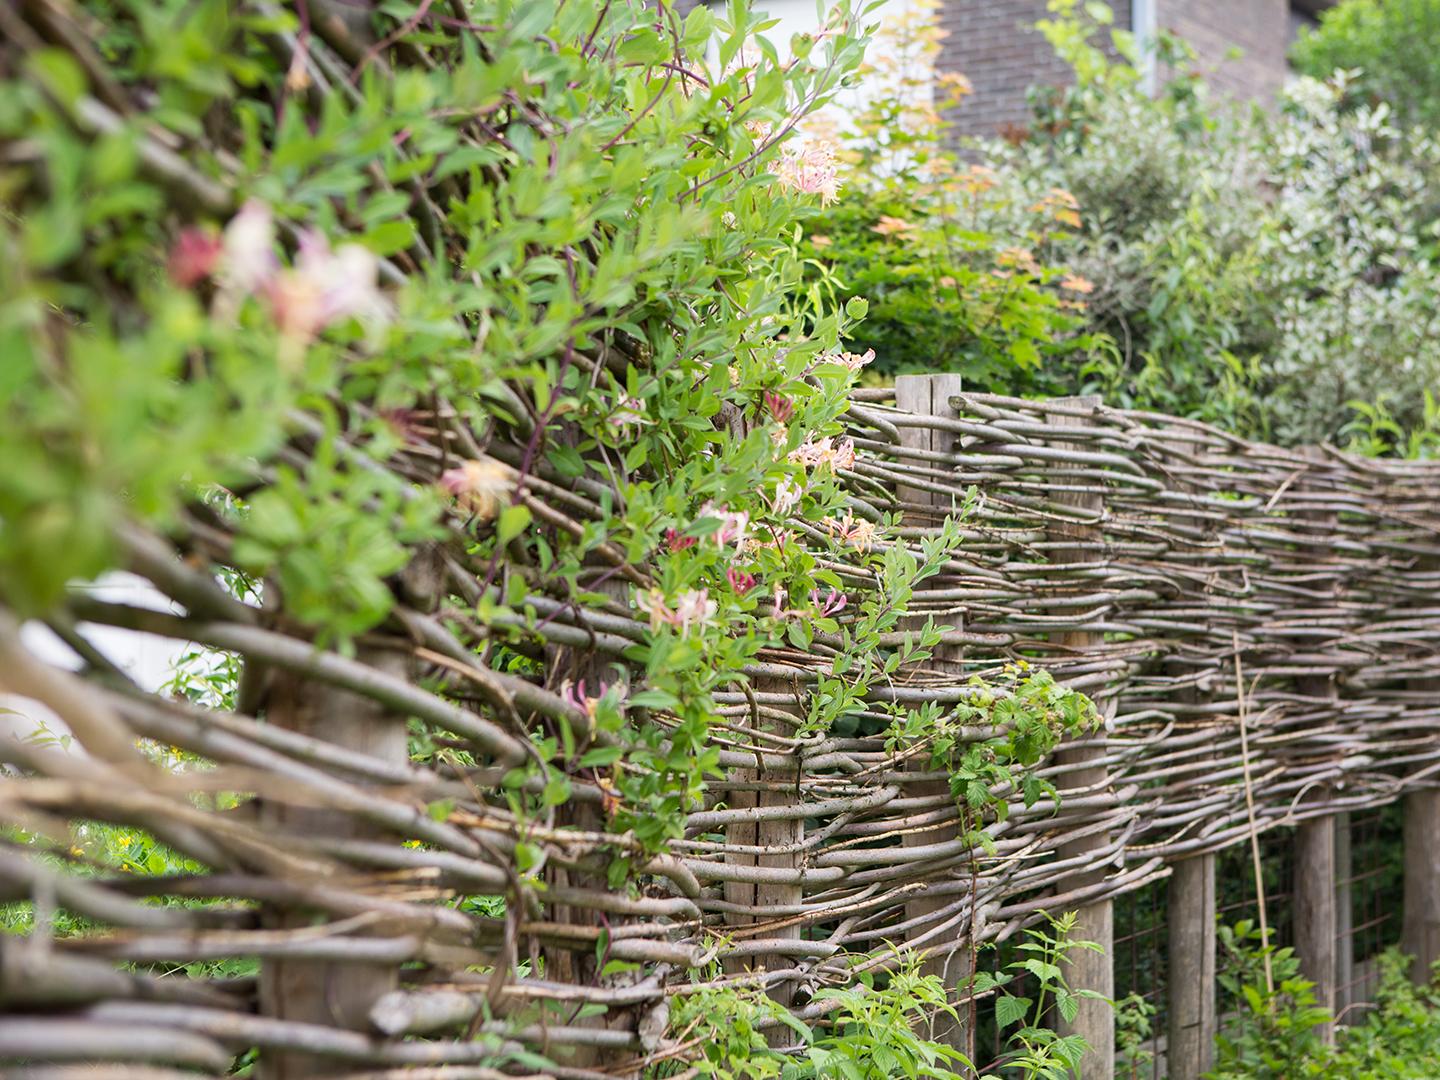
{"x":1255,"y":625}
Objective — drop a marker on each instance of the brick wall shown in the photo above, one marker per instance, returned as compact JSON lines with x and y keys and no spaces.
{"x":1261,"y":28}
{"x":993,"y":43}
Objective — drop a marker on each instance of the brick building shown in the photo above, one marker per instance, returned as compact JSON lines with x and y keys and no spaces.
{"x":993,"y":43}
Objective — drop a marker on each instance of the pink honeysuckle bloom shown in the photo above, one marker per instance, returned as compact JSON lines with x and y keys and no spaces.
{"x":345,"y":282}
{"x":733,"y":526}
{"x":677,"y":542}
{"x":838,"y":454}
{"x":857,"y":532}
{"x":780,"y":407}
{"x":694,"y":608}
{"x":575,"y":694}
{"x":628,"y":412}
{"x":779,"y":610}
{"x":480,"y":485}
{"x":832,"y":603}
{"x":195,"y":256}
{"x":652,"y":603}
{"x":741,"y":582}
{"x":853,"y":361}
{"x":807,"y":166}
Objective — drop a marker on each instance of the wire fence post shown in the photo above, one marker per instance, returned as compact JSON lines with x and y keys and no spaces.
{"x":950,"y":958}
{"x":1085,"y":772}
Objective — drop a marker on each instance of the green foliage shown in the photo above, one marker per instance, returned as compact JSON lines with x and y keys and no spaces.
{"x":1134,"y":1017}
{"x":945,"y":261}
{"x":990,"y":744}
{"x":1391,"y":45}
{"x":870,"y":1031}
{"x":1259,"y":271}
{"x":1273,"y":1035}
{"x":1033,"y":1050}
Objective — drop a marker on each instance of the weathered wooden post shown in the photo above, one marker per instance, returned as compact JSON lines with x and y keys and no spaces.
{"x":1191,"y":1023}
{"x":929,"y":395}
{"x":1420,"y":933}
{"x":772,"y":787}
{"x":1317,"y":906}
{"x":1420,"y":928}
{"x":1087,"y":970}
{"x":1344,"y":923}
{"x":1316,"y":920}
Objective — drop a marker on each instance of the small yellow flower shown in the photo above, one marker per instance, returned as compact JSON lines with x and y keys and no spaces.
{"x":123,"y":839}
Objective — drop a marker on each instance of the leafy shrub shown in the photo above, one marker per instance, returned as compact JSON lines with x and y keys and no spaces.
{"x":1273,"y":1035}
{"x":946,"y":260}
{"x":1390,"y":44}
{"x":1265,"y":272}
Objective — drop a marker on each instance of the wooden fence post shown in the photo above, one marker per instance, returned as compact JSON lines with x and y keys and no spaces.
{"x":1316,"y":921}
{"x":1191,"y":1017}
{"x":1420,"y":928}
{"x":951,"y":960}
{"x":1191,"y":1027}
{"x":1420,"y":935}
{"x":1317,"y":908}
{"x":1087,"y":970}
{"x":333,"y":993}
{"x":772,"y":788}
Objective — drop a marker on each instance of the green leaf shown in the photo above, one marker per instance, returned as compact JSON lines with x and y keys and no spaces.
{"x":1009,"y":1009}
{"x":512,"y":522}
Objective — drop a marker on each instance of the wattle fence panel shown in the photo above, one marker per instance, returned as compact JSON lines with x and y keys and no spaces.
{"x":1257,"y":626}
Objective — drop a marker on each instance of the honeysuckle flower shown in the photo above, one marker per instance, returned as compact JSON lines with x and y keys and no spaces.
{"x":740,"y":581}
{"x":769,"y":538}
{"x":853,"y":361}
{"x":480,"y":485}
{"x":195,"y":256}
{"x":832,"y":603}
{"x":732,"y":528}
{"x":676,"y":541}
{"x":780,"y":407}
{"x":694,"y":608}
{"x":576,"y":695}
{"x":857,"y":532}
{"x":325,"y":287}
{"x":248,"y":260}
{"x":652,"y":603}
{"x":778,"y":610}
{"x":628,"y":412}
{"x":807,"y":166}
{"x":786,"y":498}
{"x":827,"y":451}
